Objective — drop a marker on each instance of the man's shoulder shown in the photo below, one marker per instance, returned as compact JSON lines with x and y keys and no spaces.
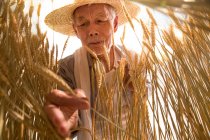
{"x":67,"y":61}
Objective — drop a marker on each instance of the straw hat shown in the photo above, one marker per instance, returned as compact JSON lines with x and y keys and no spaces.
{"x":60,"y":20}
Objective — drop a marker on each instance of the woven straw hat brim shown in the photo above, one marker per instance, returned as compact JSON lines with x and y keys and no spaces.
{"x":60,"y":20}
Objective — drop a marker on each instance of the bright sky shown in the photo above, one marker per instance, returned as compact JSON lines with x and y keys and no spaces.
{"x":74,"y":43}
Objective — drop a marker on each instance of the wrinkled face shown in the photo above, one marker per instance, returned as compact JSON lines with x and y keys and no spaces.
{"x":95,"y":25}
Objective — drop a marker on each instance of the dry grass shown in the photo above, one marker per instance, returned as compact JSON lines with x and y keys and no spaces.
{"x":23,"y":85}
{"x":178,"y":106}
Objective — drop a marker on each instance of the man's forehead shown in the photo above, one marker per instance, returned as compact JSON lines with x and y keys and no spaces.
{"x":99,"y":8}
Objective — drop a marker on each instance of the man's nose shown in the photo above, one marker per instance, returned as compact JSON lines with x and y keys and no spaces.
{"x":93,"y":31}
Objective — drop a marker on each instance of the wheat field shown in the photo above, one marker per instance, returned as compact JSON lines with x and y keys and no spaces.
{"x":178,"y":103}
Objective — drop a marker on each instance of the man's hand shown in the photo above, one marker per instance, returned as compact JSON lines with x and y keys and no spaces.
{"x":62,"y":109}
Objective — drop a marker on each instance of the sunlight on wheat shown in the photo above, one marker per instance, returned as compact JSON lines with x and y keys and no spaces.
{"x":164,"y":89}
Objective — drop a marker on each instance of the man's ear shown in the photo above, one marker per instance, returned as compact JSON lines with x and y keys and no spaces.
{"x":115,"y":23}
{"x":73,"y":25}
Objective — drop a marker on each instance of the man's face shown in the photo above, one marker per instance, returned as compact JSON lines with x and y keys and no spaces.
{"x":94,"y":25}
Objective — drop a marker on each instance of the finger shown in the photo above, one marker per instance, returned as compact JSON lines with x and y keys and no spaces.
{"x":61,"y":98}
{"x":73,"y":121}
{"x":57,"y":118}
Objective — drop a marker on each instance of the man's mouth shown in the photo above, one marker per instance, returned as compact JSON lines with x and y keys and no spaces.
{"x":95,"y":43}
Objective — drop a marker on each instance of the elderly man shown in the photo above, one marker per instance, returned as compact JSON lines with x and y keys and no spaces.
{"x":94,"y":22}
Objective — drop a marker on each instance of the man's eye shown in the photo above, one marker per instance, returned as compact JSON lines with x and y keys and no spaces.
{"x":100,"y":21}
{"x":82,"y":25}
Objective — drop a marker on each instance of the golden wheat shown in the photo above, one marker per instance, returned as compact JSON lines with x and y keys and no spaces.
{"x":177,"y":106}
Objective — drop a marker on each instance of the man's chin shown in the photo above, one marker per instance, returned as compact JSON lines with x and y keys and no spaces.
{"x":98,"y":50}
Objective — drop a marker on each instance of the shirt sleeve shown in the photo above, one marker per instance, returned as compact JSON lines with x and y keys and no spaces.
{"x":66,"y":70}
